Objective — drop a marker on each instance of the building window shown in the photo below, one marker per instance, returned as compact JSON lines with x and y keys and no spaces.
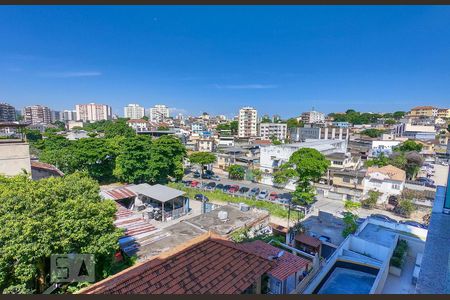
{"x":395,"y":186}
{"x":346,"y":179}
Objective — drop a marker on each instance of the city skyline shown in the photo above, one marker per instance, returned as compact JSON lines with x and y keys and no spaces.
{"x":375,"y":59}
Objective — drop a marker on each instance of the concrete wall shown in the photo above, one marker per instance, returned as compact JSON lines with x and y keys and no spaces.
{"x":368,"y":249}
{"x":14,"y":158}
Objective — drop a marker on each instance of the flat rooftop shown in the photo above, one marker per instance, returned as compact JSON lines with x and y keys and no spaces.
{"x":183,"y":231}
{"x":378,"y":234}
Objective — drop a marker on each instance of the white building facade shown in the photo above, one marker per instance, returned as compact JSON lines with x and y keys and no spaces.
{"x":93,"y":112}
{"x":133,"y":111}
{"x":158,"y":113}
{"x":269,"y":130}
{"x":313,"y":116}
{"x":248,"y":122}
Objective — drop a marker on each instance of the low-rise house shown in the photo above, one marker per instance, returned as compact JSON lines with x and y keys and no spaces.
{"x":138,"y":124}
{"x":383,"y":146}
{"x":205,"y":145}
{"x":288,"y":270}
{"x":40,"y":170}
{"x":14,"y":157}
{"x":208,"y":264}
{"x":419,"y":132}
{"x":341,"y":161}
{"x":387,"y":180}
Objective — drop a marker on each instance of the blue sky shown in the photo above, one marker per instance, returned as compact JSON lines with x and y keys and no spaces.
{"x":279,"y":59}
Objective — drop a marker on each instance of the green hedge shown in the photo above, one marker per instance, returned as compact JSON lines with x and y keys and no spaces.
{"x":399,"y":255}
{"x":274,"y":209}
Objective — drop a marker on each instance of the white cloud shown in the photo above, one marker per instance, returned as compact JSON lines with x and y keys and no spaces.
{"x":71,"y":74}
{"x":256,"y":86}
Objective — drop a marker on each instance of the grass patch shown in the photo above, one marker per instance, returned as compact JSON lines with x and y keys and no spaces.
{"x":219,"y":196}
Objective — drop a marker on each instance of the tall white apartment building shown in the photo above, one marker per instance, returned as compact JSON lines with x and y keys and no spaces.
{"x":133,"y":111}
{"x":248,"y":122}
{"x":69,"y":115}
{"x":313,"y":116}
{"x":269,"y":130}
{"x":158,"y":113}
{"x":93,"y":112}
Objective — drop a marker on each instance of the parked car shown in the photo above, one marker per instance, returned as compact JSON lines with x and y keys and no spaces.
{"x":206,"y":176}
{"x":197,"y":174}
{"x":201,"y":197}
{"x":243,"y":190}
{"x":383,"y":218}
{"x":273,"y":196}
{"x":414,"y":223}
{"x":209,"y":172}
{"x":444,"y":163}
{"x":226,"y":187}
{"x":194,"y":183}
{"x":262,"y":194}
{"x":233,"y":189}
{"x":215,"y":177}
{"x":254,"y":192}
{"x":212,"y":184}
{"x":325,"y":238}
{"x":219,"y":186}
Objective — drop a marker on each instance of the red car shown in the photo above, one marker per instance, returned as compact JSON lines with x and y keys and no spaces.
{"x":194,"y":183}
{"x":233,"y":189}
{"x":273,"y":196}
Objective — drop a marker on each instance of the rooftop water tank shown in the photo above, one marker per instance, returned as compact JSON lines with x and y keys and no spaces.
{"x":223,"y":215}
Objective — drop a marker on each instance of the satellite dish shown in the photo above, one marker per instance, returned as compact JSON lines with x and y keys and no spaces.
{"x":280,"y":254}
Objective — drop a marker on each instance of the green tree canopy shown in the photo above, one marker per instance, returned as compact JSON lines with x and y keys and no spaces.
{"x":292,"y":123}
{"x":167,"y":159}
{"x":398,"y":114}
{"x":234,"y":126}
{"x":202,"y":159}
{"x":373,"y":133}
{"x":52,"y":216}
{"x":409,"y":145}
{"x":133,"y":160}
{"x":236,"y":172}
{"x":305,"y":165}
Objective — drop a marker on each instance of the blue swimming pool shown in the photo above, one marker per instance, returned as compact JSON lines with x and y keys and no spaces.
{"x":347,"y":278}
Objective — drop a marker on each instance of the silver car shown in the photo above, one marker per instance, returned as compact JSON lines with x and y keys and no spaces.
{"x":263,"y":194}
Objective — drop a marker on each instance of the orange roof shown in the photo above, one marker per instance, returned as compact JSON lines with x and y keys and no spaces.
{"x":423,"y":107}
{"x":394,"y":173}
{"x":208,"y":264}
{"x":137,"y":121}
{"x":286,"y":265}
{"x":308,"y":240}
{"x":262,"y":142}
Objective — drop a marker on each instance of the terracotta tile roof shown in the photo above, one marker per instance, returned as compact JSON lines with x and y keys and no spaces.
{"x":119,"y":193}
{"x":262,"y":142}
{"x":285,"y":266}
{"x":394,"y":173}
{"x":137,"y":121}
{"x":44,"y":166}
{"x":423,"y":107}
{"x":308,"y":240}
{"x":207,"y":264}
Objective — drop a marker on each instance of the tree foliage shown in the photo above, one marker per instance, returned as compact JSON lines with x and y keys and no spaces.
{"x":167,"y":154}
{"x":409,"y":145}
{"x":234,"y":126}
{"x":202,"y":158}
{"x":371,"y":201}
{"x":133,"y":160}
{"x":111,"y":128}
{"x":293,"y":122}
{"x":236,"y":172}
{"x":373,"y":133}
{"x":52,"y":216}
{"x":305,"y":166}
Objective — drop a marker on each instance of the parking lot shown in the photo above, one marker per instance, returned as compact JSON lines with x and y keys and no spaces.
{"x":242,"y":188}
